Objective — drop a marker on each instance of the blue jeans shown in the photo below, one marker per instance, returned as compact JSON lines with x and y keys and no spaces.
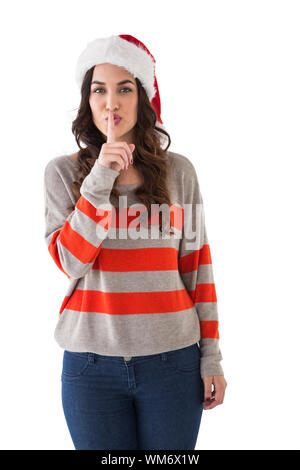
{"x":147,"y":402}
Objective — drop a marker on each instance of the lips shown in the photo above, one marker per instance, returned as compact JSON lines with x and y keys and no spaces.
{"x":116,"y":117}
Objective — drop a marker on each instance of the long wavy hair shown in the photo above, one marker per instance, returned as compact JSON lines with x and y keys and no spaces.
{"x":149,"y":156}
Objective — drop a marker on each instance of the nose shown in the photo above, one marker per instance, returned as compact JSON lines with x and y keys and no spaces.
{"x":111,"y":104}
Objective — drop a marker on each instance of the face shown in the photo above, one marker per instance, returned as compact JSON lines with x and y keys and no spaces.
{"x":122,"y":99}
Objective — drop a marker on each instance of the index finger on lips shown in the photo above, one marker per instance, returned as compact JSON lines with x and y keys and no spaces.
{"x":111,"y":135}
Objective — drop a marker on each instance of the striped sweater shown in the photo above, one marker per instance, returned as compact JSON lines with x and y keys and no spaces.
{"x":131,"y":293}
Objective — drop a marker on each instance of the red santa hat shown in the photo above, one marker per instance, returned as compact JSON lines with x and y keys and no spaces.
{"x":125,"y":51}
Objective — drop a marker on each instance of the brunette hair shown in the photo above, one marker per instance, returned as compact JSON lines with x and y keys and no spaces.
{"x":149,"y":157}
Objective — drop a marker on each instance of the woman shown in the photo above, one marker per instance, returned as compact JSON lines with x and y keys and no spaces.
{"x":141,"y":293}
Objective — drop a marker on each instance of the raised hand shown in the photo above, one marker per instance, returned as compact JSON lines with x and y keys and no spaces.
{"x":115,"y":155}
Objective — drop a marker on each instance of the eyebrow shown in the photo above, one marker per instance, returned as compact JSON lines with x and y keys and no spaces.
{"x":120,"y":83}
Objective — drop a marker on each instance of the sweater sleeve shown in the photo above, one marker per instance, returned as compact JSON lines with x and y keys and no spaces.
{"x":195,"y":266}
{"x":74,"y":238}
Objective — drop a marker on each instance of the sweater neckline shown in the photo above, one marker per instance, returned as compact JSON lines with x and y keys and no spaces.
{"x":127,"y":187}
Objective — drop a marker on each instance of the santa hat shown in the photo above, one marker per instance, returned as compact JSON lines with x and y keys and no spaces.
{"x":125,"y":51}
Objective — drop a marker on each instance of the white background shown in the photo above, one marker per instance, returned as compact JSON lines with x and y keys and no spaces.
{"x":228,"y":75}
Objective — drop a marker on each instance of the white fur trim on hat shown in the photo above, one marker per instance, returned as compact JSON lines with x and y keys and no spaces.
{"x":118,"y":51}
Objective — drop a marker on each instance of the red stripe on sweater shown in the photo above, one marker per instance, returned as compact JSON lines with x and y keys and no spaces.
{"x":204,"y":293}
{"x":190,"y":262}
{"x":52,"y":248}
{"x":177,"y":217}
{"x":116,"y":303}
{"x":67,"y":297}
{"x":77,"y":245}
{"x":209,"y":329}
{"x":174,"y":212}
{"x":143,"y":259}
{"x":100,"y":216}
{"x":128,"y":217}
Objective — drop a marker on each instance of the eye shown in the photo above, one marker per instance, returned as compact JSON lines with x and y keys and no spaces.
{"x":102,"y":89}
